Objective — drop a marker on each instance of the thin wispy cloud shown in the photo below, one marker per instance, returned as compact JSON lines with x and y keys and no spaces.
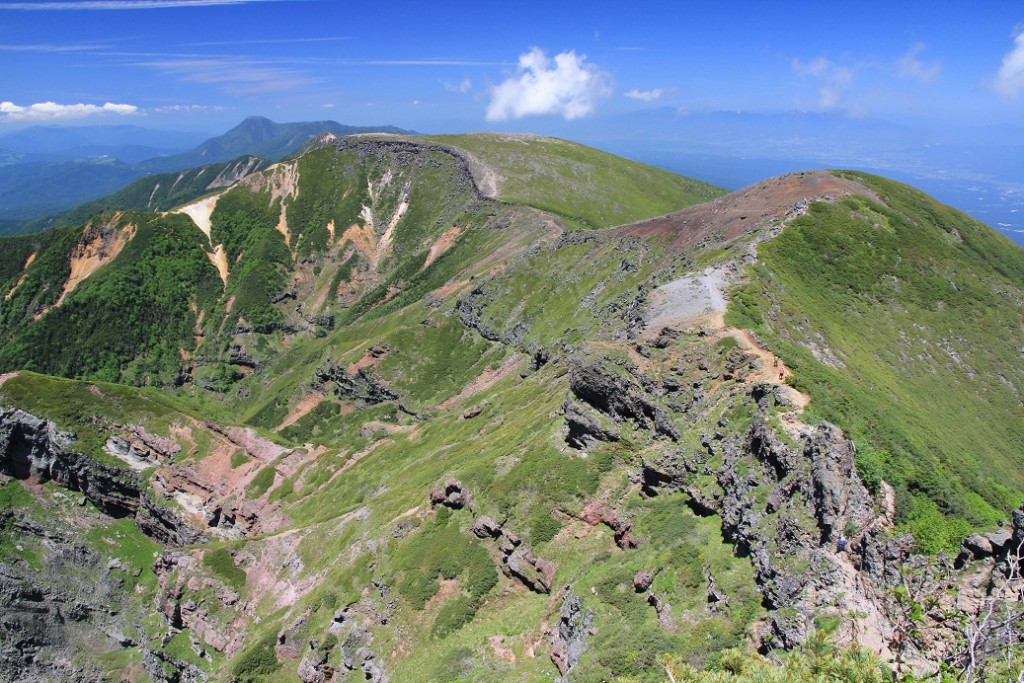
{"x":234,"y":76}
{"x":833,"y":79}
{"x":49,"y":48}
{"x":186,"y":108}
{"x":1010,"y":79}
{"x":270,"y":41}
{"x":462,"y":86}
{"x":644,"y":95}
{"x":911,"y":66}
{"x":566,"y":86}
{"x":122,"y":4}
{"x":422,"y":62}
{"x":51,"y":111}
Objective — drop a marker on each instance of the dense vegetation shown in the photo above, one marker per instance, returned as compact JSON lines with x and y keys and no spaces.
{"x":928,"y":291}
{"x":384,"y":330}
{"x":128,"y":322}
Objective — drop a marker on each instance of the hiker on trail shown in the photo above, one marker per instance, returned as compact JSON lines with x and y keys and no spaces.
{"x":841,"y":545}
{"x":782,"y":374}
{"x":775,"y":361}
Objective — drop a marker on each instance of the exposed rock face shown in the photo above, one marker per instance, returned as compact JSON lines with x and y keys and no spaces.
{"x":314,"y":667}
{"x":599,"y":512}
{"x":584,"y":430}
{"x":764,"y":511}
{"x":569,"y":639}
{"x":517,"y":560}
{"x":32,"y":448}
{"x":73,"y":595}
{"x":839,"y":496}
{"x":453,"y":495}
{"x":362,"y":386}
{"x":619,"y":398}
{"x":470,"y":310}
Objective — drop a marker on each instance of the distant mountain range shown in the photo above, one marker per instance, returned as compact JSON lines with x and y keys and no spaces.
{"x":46,"y":170}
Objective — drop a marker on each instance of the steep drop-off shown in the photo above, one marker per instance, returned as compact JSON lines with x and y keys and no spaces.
{"x":420,"y":432}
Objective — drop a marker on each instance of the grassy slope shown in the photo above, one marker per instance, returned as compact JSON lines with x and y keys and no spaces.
{"x":586,"y":187}
{"x":512,"y":456}
{"x":128,"y":321}
{"x":920,"y":305}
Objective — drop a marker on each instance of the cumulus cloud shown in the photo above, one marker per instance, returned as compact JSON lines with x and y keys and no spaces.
{"x":833,"y":79}
{"x":910,"y":66}
{"x":1010,"y":79}
{"x":645,"y":95}
{"x":50,"y":111}
{"x":566,"y":86}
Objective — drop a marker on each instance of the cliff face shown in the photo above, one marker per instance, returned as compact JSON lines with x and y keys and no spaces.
{"x":480,"y":445}
{"x":33,"y":449}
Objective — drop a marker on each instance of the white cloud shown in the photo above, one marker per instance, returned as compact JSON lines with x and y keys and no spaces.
{"x":567,"y":86}
{"x":187,"y":108}
{"x":234,"y":76}
{"x":461,"y":87}
{"x":645,"y":95}
{"x":50,"y":111}
{"x":49,"y":48}
{"x":833,"y":79}
{"x":910,"y":66}
{"x":1010,"y":79}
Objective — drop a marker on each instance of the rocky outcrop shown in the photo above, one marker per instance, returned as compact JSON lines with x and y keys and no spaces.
{"x":164,"y":669}
{"x":784,"y":506}
{"x":32,"y":448}
{"x":620,"y":398}
{"x":840,"y":499}
{"x":583,"y":430}
{"x":470,"y":311}
{"x":452,"y":495}
{"x":516,"y":559}
{"x":568,"y":640}
{"x":349,"y":627}
{"x":314,"y":667}
{"x":998,"y":545}
{"x":599,"y":512}
{"x":360,"y":386}
{"x":69,"y":594}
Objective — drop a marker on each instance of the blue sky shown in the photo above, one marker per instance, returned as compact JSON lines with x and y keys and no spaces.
{"x":453,"y":65}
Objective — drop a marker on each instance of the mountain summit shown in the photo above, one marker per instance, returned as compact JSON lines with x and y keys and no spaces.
{"x":502,"y":407}
{"x":261,"y":137}
{"x":47,"y":184}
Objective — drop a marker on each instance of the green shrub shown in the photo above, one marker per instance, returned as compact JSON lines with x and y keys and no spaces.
{"x":454,"y":615}
{"x":543,"y":527}
{"x":258,"y":660}
{"x":456,"y":665}
{"x":221,"y":563}
{"x":263,"y":480}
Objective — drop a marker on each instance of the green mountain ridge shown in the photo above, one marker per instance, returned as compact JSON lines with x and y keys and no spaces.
{"x":492,"y":407}
{"x":42,"y":194}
